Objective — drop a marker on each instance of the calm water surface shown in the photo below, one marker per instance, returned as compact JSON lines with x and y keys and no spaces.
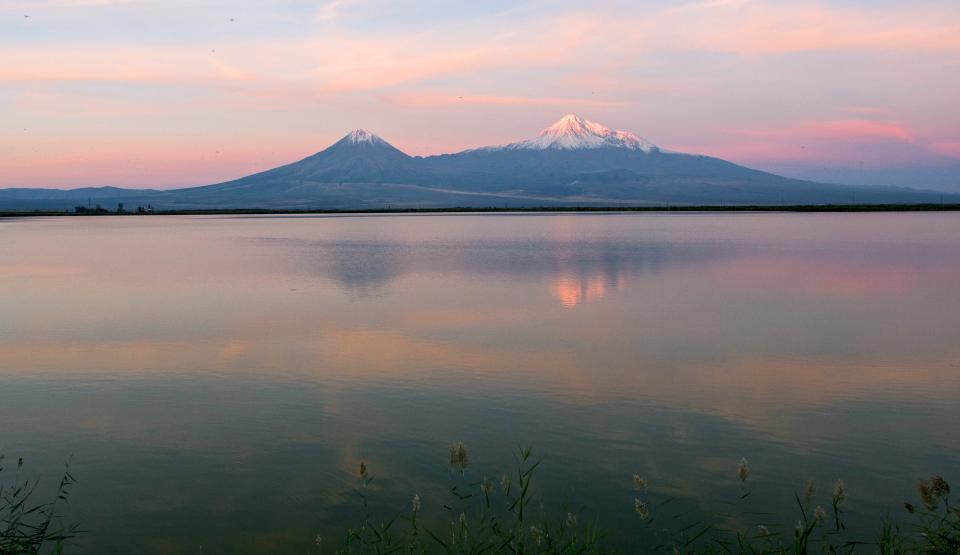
{"x":216,"y":380}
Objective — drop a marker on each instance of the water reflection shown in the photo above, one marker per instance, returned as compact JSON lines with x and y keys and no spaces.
{"x":573,"y":272}
{"x":572,"y":291}
{"x":232,"y":371}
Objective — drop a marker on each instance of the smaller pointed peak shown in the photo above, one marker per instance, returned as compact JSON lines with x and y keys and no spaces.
{"x":361,"y":140}
{"x":362,"y":136}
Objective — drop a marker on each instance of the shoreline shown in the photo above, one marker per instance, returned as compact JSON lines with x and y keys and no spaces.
{"x":492,"y":209}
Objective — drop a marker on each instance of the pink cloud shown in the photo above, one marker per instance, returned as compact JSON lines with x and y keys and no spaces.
{"x":830,"y":142}
{"x":137,"y":163}
{"x":846,"y":129}
{"x":198,"y":64}
{"x":438,"y":99}
{"x":339,"y":61}
{"x":752,"y":27}
{"x":946,"y":149}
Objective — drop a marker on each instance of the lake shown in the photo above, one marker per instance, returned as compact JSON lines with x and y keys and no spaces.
{"x":215,"y":381}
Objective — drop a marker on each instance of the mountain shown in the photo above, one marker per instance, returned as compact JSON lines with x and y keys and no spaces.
{"x":573,"y":161}
{"x":359,"y":157}
{"x":319,"y":180}
{"x":583,"y":162}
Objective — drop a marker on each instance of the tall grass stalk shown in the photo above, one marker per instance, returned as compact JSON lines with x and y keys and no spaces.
{"x":28,"y":526}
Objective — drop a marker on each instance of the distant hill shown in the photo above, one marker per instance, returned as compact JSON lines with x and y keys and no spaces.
{"x":574,"y":161}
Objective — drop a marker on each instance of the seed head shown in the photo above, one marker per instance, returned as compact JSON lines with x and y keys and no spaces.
{"x":415,"y":503}
{"x":811,"y":490}
{"x":744,"y":470}
{"x":940,"y":486}
{"x":458,"y":455}
{"x":909,"y":506}
{"x":571,"y":520}
{"x":505,"y":482}
{"x":486,"y":486}
{"x":639,"y":483}
{"x":819,"y":514}
{"x":839,"y":493}
{"x":363,"y":469}
{"x":927,"y":494}
{"x":763,"y":530}
{"x":642,"y":509}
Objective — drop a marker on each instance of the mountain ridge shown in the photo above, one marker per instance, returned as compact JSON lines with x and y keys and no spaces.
{"x":573,"y":160}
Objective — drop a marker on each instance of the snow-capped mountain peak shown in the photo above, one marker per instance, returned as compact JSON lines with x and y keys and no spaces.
{"x":572,"y":132}
{"x":360,"y":136}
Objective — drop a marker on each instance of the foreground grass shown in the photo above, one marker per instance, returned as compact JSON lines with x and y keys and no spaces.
{"x":488,"y":517}
{"x":26,"y":525}
{"x":482,"y":516}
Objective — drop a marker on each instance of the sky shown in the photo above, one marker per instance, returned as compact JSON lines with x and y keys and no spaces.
{"x":173,"y":93}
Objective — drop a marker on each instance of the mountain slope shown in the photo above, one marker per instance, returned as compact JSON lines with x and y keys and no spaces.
{"x":359,"y":157}
{"x":580,"y":159}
